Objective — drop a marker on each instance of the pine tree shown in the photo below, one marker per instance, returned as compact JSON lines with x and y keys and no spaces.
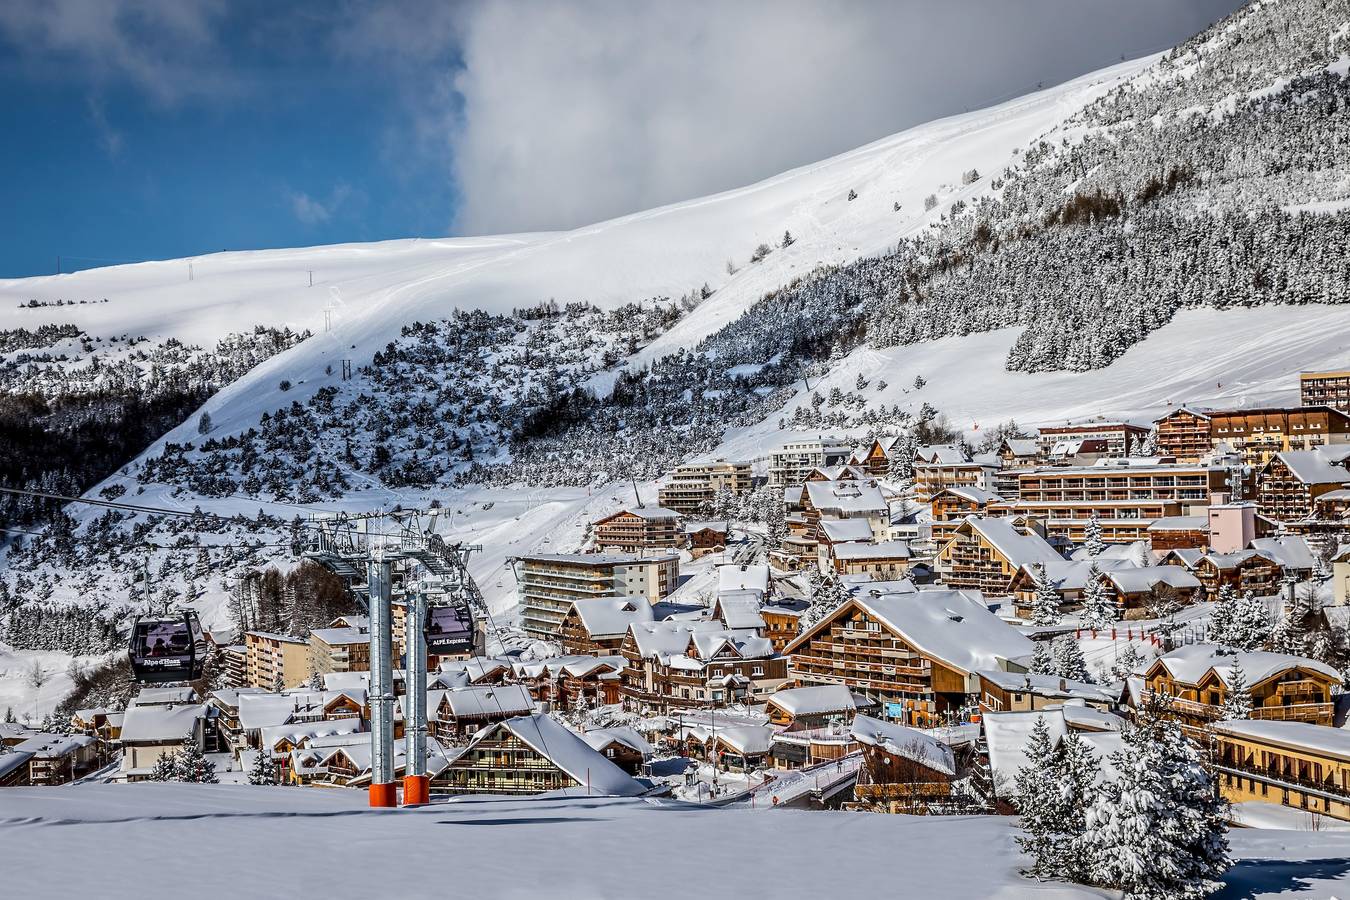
{"x":1099,"y":609}
{"x":1248,"y":626}
{"x":1067,"y":659}
{"x":788,"y":239}
{"x":264,"y":769}
{"x":1157,"y":831}
{"x":191,"y":764}
{"x":1076,"y":787}
{"x":1041,"y":662}
{"x":1237,"y":702}
{"x":1092,"y":539}
{"x":165,"y":769}
{"x":1034,"y":793}
{"x":1045,"y":608}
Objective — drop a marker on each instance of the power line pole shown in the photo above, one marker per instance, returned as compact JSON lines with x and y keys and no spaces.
{"x":311,"y":278}
{"x":383,"y":791}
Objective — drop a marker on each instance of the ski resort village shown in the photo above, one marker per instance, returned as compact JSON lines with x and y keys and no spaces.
{"x":966,"y":515}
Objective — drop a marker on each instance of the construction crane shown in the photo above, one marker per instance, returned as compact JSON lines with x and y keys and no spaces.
{"x":364,"y":557}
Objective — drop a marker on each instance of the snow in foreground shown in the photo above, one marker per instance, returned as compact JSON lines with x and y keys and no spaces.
{"x":168,"y":840}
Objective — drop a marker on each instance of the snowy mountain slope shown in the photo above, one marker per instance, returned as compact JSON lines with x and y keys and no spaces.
{"x":376,"y":288}
{"x":1203,"y":356}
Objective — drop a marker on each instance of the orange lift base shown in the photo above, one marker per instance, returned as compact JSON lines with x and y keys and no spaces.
{"x":384,"y":794}
{"x":416,"y":790}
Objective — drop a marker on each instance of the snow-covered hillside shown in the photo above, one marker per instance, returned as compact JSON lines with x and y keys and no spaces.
{"x":374,"y":289}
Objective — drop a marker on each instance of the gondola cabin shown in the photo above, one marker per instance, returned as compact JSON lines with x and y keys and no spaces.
{"x":166,"y":649}
{"x":449,"y":631}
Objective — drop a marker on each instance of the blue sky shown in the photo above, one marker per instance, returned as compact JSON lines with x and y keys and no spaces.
{"x":138,"y":129}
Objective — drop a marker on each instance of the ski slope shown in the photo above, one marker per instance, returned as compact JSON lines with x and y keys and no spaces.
{"x":370,"y":290}
{"x":205,"y":841}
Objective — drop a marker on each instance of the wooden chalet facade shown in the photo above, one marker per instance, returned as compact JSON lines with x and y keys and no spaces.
{"x":1256,"y":434}
{"x":915,"y":654}
{"x":903,"y":770}
{"x":1283,"y":688}
{"x":696,"y":665}
{"x":597,"y":626}
{"x":985,"y":554}
{"x":1325,"y":389}
{"x":458,"y":713}
{"x":638,"y":529}
{"x":1288,"y":763}
{"x":1243,"y":571}
{"x":1290,"y":483}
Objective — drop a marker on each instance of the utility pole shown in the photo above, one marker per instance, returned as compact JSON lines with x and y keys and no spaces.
{"x":58,"y":265}
{"x":189,"y":271}
{"x":311,"y":278}
{"x":636,"y":495}
{"x":383,"y":791}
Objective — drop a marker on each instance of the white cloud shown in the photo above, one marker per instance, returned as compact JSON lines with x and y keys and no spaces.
{"x":310,"y":211}
{"x":571,"y":112}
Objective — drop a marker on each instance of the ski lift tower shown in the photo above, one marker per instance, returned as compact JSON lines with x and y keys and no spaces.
{"x":346,"y":546}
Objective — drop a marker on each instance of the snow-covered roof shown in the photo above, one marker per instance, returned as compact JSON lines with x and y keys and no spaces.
{"x":1138,"y":580}
{"x":974,"y":494}
{"x":1189,"y":557}
{"x":47,"y":746}
{"x":1223,"y":561}
{"x":1290,"y":551}
{"x":944,"y":454}
{"x":859,"y":585}
{"x":747,"y":740}
{"x":1072,"y":574}
{"x":1049,"y":686}
{"x":1333,"y":742}
{"x":841,"y":531}
{"x":654,"y":513}
{"x":300,"y":732}
{"x":669,"y":637}
{"x":720,"y":526}
{"x":609,"y":617}
{"x":1189,"y":664}
{"x":846,"y":497}
{"x":1019,"y":549}
{"x":264,"y":710}
{"x":476,"y":667}
{"x":160,"y":724}
{"x":910,"y":743}
{"x":1180,"y":523}
{"x":600,"y":738}
{"x":336,"y":636}
{"x":1081,"y":717}
{"x":741,"y":610}
{"x":817,"y":700}
{"x":951,"y":626}
{"x":1022,"y":446}
{"x":149,"y":696}
{"x":879,"y":550}
{"x":1007,"y":734}
{"x":744,"y":644}
{"x":1324,"y":465}
{"x":483,"y":700}
{"x":571,"y":754}
{"x":743,"y":578}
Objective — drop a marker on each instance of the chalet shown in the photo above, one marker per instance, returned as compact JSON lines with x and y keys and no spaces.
{"x":281,"y":741}
{"x":1197,"y":677}
{"x":14,"y":769}
{"x":1333,"y":507}
{"x":796,"y":709}
{"x":531,"y":755}
{"x":1291,"y":553}
{"x":1243,"y":571}
{"x":847,"y":500}
{"x":740,"y":611}
{"x":474,"y":670}
{"x":802,"y":747}
{"x":694,"y":486}
{"x":570,"y":682}
{"x":782,"y":620}
{"x":1067,"y":576}
{"x":985,"y":554}
{"x":877,"y":458}
{"x":597,"y":626}
{"x":840,"y":473}
{"x":1134,"y":589}
{"x":55,"y":759}
{"x":621,"y":745}
{"x":636,"y":529}
{"x":884,"y":561}
{"x":917,"y":653}
{"x":950,"y":506}
{"x":696,"y":664}
{"x":1295,"y":764}
{"x":1178,"y":533}
{"x":1289,"y":483}
{"x":225,"y":704}
{"x":703,"y":538}
{"x":741,"y":748}
{"x":455,"y":714}
{"x":150,"y":731}
{"x":744,"y":577}
{"x":1186,"y":434}
{"x":1325,"y":389}
{"x":1002,"y":691}
{"x":831,"y":533}
{"x":904,"y":770}
{"x":1015,"y":455}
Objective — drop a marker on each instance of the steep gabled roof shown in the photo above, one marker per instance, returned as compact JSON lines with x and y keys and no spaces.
{"x":1190,"y":664}
{"x":1290,"y":551}
{"x":607,"y":618}
{"x":566,"y":750}
{"x":817,"y":700}
{"x":1019,"y":549}
{"x":910,"y":743}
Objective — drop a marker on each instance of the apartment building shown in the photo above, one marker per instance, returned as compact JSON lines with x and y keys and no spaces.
{"x":550,"y":583}
{"x":795,"y":461}
{"x":275,"y":659}
{"x":1117,"y":438}
{"x":639,"y":528}
{"x":1192,"y":434}
{"x":1325,"y":389}
{"x":691,"y":486}
{"x":339,"y":650}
